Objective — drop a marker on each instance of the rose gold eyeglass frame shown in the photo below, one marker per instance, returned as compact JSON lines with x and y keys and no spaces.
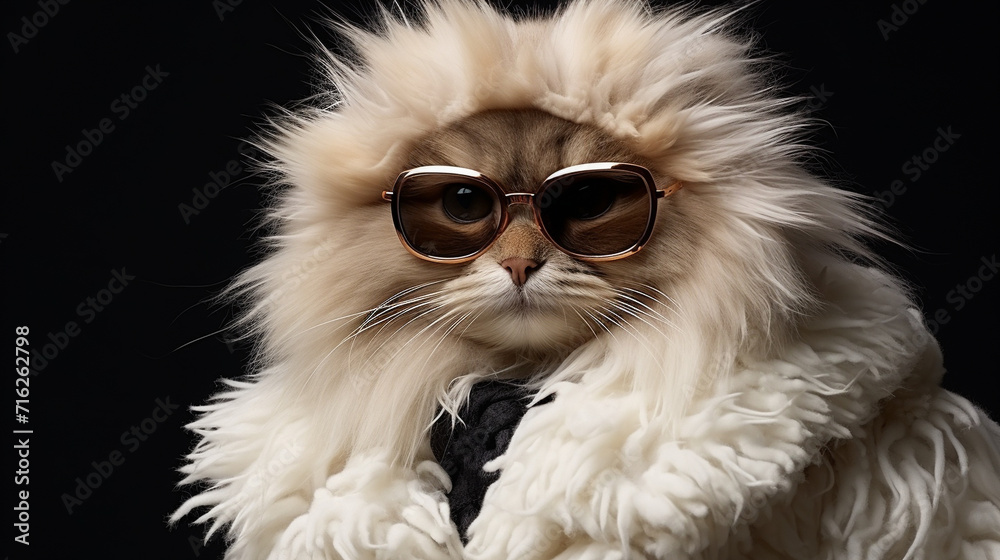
{"x":535,"y":200}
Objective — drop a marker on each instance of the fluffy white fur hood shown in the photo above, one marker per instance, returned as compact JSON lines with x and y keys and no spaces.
{"x":833,"y":443}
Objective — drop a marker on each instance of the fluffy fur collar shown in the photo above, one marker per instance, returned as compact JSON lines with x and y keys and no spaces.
{"x":832,"y":440}
{"x":842,"y":447}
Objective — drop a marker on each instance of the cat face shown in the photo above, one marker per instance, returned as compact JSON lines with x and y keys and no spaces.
{"x":523,"y":293}
{"x":720,"y":277}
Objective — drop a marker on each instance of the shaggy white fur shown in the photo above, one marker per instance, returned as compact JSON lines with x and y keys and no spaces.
{"x":791,"y":408}
{"x":757,"y":469}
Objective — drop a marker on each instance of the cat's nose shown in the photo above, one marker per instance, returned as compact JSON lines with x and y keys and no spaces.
{"x":519,"y":268}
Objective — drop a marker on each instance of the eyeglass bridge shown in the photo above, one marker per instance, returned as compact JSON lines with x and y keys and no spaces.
{"x":519,"y":198}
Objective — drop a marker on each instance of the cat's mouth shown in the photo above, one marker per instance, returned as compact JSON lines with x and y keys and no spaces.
{"x":525,"y":300}
{"x":529,"y":317}
{"x":527,"y":327}
{"x":552,"y":306}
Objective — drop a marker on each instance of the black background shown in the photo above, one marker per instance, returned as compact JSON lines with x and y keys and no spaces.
{"x":884,"y":101}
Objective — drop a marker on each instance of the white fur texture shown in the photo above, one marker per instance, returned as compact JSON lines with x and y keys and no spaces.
{"x":778,"y":400}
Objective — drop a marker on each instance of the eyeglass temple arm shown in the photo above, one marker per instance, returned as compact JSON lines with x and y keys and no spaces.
{"x":660,"y":193}
{"x":387,"y":196}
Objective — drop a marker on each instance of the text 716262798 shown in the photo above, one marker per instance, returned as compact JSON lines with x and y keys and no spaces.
{"x":22,"y":363}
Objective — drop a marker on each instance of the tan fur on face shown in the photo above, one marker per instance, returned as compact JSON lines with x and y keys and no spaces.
{"x":521,"y":239}
{"x":519,"y":149}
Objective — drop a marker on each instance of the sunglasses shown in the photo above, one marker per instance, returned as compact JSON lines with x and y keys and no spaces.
{"x":592,"y":212}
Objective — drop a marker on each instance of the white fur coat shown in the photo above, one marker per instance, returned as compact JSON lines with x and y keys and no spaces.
{"x":836,"y":442}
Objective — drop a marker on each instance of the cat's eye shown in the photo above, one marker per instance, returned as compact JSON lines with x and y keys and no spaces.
{"x":598,"y":214}
{"x":593,"y":212}
{"x":466,"y":203}
{"x":589,"y":200}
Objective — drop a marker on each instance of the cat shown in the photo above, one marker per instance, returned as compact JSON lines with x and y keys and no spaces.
{"x":608,"y":205}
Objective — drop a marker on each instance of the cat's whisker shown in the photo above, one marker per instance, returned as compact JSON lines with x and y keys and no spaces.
{"x":393,"y":303}
{"x":412,"y":289}
{"x":621,"y":293}
{"x":312,"y":374}
{"x":620,"y":322}
{"x":392,"y":337}
{"x":585,"y":322}
{"x":450,"y":328}
{"x":675,"y":307}
{"x":385,"y":325}
{"x":641,"y":313}
{"x":629,"y":328}
{"x":444,"y":335}
{"x":411,"y":304}
{"x":638,"y":307}
{"x":438,"y":303}
{"x":670,"y":304}
{"x":590,"y":313}
{"x":384,"y":321}
{"x":399,"y":309}
{"x":328,"y":321}
{"x":622,"y":307}
{"x":481,"y":311}
{"x":387,"y":308}
{"x":654,"y":300}
{"x":421,"y":332}
{"x":371,"y":355}
{"x":459,"y":322}
{"x":374,"y":310}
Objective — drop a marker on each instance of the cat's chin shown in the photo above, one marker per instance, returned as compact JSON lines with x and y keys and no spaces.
{"x":526,"y":329}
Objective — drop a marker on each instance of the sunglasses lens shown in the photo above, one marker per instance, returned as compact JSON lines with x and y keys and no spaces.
{"x":597,"y":213}
{"x":447,"y":216}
